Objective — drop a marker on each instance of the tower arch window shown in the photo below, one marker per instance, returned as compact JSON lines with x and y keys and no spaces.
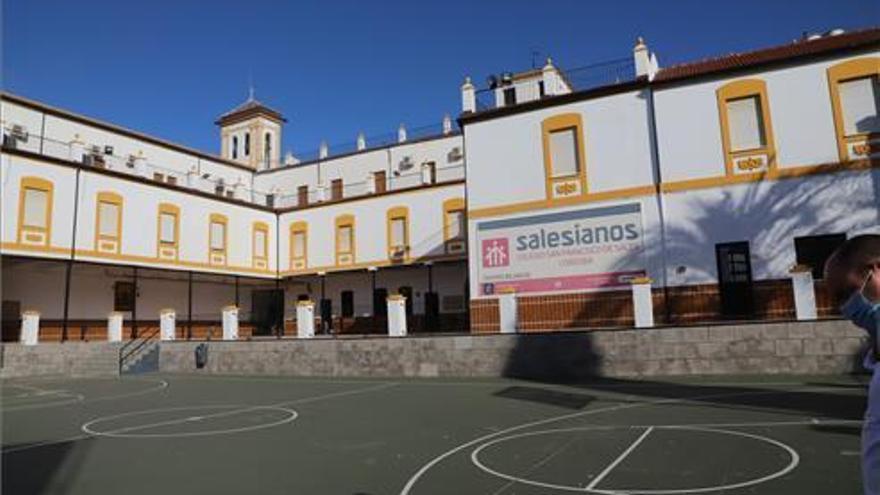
{"x":247,"y":144}
{"x":267,"y":150}
{"x":234,"y":147}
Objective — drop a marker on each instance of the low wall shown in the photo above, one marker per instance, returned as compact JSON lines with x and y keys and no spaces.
{"x":67,"y":359}
{"x":830,"y":346}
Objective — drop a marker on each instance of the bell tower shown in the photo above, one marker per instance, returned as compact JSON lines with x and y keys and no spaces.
{"x":251,"y":134}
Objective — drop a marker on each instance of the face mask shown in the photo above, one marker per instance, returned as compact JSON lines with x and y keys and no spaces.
{"x":864,"y":313}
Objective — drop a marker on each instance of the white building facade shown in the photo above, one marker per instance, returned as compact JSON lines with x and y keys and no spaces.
{"x":711,"y":181}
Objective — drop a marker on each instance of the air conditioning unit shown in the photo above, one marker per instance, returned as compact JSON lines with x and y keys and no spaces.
{"x":19,"y":133}
{"x":454,"y":155}
{"x":398,"y":253}
{"x":131,"y":161}
{"x":406,"y":163}
{"x":108,"y":150}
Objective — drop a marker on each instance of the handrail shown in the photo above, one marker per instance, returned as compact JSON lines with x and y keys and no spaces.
{"x":138,"y":343}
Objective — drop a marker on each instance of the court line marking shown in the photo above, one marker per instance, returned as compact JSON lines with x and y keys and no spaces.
{"x":591,"y":488}
{"x":605,"y":472}
{"x":124,"y":432}
{"x":80,"y":398}
{"x":411,"y":482}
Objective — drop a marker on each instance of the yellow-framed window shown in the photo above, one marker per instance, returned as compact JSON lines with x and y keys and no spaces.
{"x":299,"y":245}
{"x":746,"y":128}
{"x":345,"y":240}
{"x":108,"y":222}
{"x":260,"y":244}
{"x":855,"y":103}
{"x":168,"y":231}
{"x":35,"y":211}
{"x":454,"y":225}
{"x":218,"y":234}
{"x":564,"y":157}
{"x":397,"y":219}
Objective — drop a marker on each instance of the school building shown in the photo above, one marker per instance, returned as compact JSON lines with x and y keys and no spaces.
{"x":710,"y":181}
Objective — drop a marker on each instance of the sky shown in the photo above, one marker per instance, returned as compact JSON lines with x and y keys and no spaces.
{"x":334,"y":68}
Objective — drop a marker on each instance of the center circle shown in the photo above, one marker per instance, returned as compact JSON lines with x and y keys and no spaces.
{"x":192,"y":420}
{"x":794,"y":460}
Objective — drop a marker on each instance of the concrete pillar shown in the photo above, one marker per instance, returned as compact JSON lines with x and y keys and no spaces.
{"x":468,"y":96}
{"x":507,"y":311}
{"x":230,"y":322}
{"x":114,"y":327}
{"x":30,"y":328}
{"x":643,"y":303}
{"x":167,"y":324}
{"x":305,"y":319}
{"x":396,"y":315}
{"x":804,"y":294}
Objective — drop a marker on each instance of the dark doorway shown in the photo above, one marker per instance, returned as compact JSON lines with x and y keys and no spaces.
{"x":326,"y":315}
{"x":380,"y":309}
{"x":267,"y":311}
{"x":432,"y":312}
{"x":407,"y":292}
{"x":735,"y":279}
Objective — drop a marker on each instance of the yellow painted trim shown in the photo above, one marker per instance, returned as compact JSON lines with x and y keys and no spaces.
{"x":450,"y":206}
{"x":37,"y":184}
{"x":110,"y":198}
{"x":628,"y":192}
{"x":558,"y":123}
{"x":227,"y":268}
{"x":341,"y":221}
{"x":315,"y":270}
{"x":842,"y":72}
{"x":745,"y":88}
{"x":397,"y":213}
{"x":295,"y":229}
{"x":221,"y":219}
{"x":259,"y":260}
{"x":16,"y":246}
{"x":173,"y":210}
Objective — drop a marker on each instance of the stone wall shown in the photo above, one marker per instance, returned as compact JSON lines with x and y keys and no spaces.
{"x":53,"y":359}
{"x":830,"y":346}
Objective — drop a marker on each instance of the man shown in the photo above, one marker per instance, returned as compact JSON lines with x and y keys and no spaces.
{"x":853,"y":276}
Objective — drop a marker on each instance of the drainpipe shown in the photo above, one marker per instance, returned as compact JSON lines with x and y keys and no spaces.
{"x":658,"y":181}
{"x":69,"y":269}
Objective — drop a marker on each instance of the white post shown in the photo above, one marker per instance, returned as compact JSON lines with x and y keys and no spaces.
{"x":468,"y":96}
{"x":361,"y":141}
{"x":396,"y":315}
{"x":641,"y":58}
{"x":548,"y":76}
{"x":507,"y":311}
{"x":114,"y":327}
{"x":320,"y":193}
{"x":167,"y":320}
{"x":643,"y":303}
{"x":323,"y":150}
{"x":371,"y":183}
{"x":804,"y":294}
{"x":426,"y":173}
{"x":230,"y":323}
{"x":305,"y":319}
{"x":401,"y":134}
{"x":30,"y":327}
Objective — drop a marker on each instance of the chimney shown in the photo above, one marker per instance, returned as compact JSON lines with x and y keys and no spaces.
{"x":468,"y":97}
{"x":323,"y":151}
{"x":548,"y":76}
{"x":289,"y":159}
{"x":361,"y":141}
{"x":641,"y":57}
{"x":447,"y":125}
{"x":401,"y":134}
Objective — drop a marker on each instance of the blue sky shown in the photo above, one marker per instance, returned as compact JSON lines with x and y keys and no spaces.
{"x":169,"y":68}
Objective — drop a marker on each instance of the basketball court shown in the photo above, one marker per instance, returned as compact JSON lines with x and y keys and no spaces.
{"x":227,"y":434}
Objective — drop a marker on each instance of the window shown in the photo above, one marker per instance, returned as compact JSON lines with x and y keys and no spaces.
{"x":171,"y":180}
{"x":270,"y":200}
{"x":247,"y":144}
{"x":563,"y":152}
{"x":124,"y":294}
{"x":814,"y":251}
{"x":302,"y":194}
{"x":298,"y":245}
{"x":108,"y":222}
{"x":158,"y":177}
{"x":746,"y":130}
{"x":379,"y":180}
{"x":218,"y":189}
{"x":347,"y":297}
{"x":429,"y":171}
{"x":510,"y":96}
{"x":398,"y":233}
{"x":345,"y":240}
{"x":261,"y":240}
{"x":234,"y":147}
{"x":746,"y":126}
{"x":336,"y":189}
{"x":454,"y":225}
{"x":35,"y":211}
{"x":168,"y":231}
{"x":564,"y":162}
{"x":855,"y":102}
{"x":217,"y":239}
{"x":541,"y":90}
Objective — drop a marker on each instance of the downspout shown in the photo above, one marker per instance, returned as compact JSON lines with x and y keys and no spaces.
{"x":68,"y":272}
{"x":658,"y":181}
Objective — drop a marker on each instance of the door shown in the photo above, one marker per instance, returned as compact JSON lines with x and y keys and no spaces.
{"x":302,"y":195}
{"x":735,"y":279}
{"x":379,"y":178}
{"x":336,"y":189}
{"x":267,"y":311}
{"x":432,"y":312}
{"x":380,"y":310}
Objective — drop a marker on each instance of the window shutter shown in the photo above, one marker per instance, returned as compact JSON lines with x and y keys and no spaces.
{"x":860,"y":100}
{"x":35,"y":207}
{"x":563,"y":153}
{"x":744,"y":123}
{"x":398,"y":232}
{"x":217,"y":234}
{"x":260,"y":239}
{"x":108,"y":219}
{"x":166,"y":232}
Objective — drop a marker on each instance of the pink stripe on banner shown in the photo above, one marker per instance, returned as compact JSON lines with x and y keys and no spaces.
{"x":572,"y":282}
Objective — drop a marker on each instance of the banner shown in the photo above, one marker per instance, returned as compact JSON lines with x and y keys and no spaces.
{"x":581,"y":249}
